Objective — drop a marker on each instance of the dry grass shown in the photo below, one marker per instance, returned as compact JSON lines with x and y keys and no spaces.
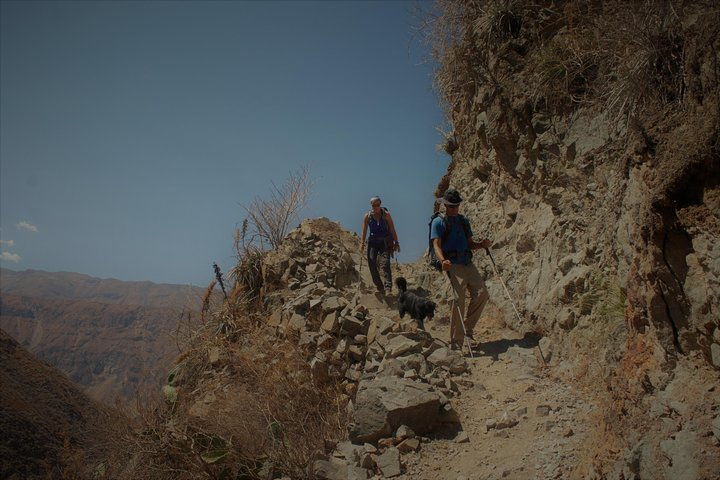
{"x":243,"y":406}
{"x":621,"y":56}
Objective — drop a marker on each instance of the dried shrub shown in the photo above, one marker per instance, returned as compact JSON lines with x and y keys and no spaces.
{"x":247,"y":273}
{"x":270,"y":218}
{"x":621,"y":56}
{"x":240,"y":403}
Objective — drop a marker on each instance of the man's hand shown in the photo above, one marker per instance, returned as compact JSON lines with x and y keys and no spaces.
{"x":486,"y":244}
{"x":446,"y":265}
{"x":362,"y":245}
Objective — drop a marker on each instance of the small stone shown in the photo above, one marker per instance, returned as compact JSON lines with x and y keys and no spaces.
{"x":356,"y":473}
{"x":462,"y":437}
{"x":715,"y":354}
{"x":543,"y":410}
{"x":367,"y":461}
{"x":404,"y":432}
{"x":409,"y":445}
{"x":387,"y":442}
{"x":410,"y":374}
{"x":389,"y":462}
{"x":568,"y":432}
{"x":506,"y":422}
{"x":351,"y":389}
{"x":716,"y":427}
{"x":370,"y":448}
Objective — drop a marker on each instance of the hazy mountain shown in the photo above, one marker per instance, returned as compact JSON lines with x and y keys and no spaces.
{"x":110,"y":337}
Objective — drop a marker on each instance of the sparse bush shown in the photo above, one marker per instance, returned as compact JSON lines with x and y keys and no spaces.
{"x":249,"y":412}
{"x":247,"y":272}
{"x":604,"y":299}
{"x":269,"y":219}
{"x":239,"y":403}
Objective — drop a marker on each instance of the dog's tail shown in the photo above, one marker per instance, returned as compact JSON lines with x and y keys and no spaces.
{"x":401,"y":284}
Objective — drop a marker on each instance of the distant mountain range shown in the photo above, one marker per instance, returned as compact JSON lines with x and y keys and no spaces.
{"x":110,"y":337}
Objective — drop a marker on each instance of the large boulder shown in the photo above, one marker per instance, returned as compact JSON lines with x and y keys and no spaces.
{"x":383,"y":404}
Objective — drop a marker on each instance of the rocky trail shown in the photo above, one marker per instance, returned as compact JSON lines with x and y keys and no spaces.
{"x":518,"y":419}
{"x":416,"y":409}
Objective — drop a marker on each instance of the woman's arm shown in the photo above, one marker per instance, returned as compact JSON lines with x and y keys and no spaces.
{"x":364,"y":230}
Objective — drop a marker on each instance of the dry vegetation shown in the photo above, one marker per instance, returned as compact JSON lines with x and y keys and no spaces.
{"x":270,"y":218}
{"x":239,"y":402}
{"x":621,"y":56}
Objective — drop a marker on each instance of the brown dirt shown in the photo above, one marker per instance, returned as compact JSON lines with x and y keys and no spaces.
{"x":506,"y":378}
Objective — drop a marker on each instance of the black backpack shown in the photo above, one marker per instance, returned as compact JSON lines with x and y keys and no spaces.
{"x":432,"y":258}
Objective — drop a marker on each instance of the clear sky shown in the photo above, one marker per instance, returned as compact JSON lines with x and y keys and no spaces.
{"x":131,"y":133}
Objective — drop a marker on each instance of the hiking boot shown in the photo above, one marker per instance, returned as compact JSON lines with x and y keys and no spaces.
{"x":455,"y":346}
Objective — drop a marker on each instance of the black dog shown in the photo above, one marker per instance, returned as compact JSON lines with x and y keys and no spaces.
{"x":418,"y":307}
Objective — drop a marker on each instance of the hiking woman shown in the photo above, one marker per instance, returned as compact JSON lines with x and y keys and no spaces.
{"x":381,"y":244}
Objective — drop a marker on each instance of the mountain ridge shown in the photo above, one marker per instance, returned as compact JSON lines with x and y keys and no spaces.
{"x":112,"y":338}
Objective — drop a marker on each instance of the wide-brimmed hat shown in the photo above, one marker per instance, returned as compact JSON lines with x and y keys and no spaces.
{"x":452,"y":197}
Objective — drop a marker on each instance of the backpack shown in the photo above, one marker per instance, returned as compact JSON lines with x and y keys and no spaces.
{"x":431,"y":257}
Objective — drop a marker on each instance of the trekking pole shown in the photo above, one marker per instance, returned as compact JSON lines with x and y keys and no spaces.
{"x":507,"y":292}
{"x":462,"y":319}
{"x":357,"y":290}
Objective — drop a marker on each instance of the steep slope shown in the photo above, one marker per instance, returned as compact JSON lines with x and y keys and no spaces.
{"x":110,"y":337}
{"x":49,"y":428}
{"x":110,"y":350}
{"x":585,"y":142}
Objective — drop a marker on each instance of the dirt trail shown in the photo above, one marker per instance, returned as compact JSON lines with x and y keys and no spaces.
{"x":519,"y":420}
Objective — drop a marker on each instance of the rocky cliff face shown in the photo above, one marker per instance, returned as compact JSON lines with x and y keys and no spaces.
{"x":605,"y":219}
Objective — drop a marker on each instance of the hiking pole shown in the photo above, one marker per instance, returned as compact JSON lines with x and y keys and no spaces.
{"x":357,"y":290}
{"x":507,"y":292}
{"x":462,"y":319}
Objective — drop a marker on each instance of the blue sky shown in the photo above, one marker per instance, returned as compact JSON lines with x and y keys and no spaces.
{"x":131,"y":133}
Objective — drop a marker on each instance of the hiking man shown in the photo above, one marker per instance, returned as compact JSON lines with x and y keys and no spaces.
{"x":452,"y":242}
{"x":382,"y":243}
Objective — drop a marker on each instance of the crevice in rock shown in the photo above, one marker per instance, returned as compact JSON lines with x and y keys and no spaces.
{"x":673,"y":326}
{"x":668,"y":264}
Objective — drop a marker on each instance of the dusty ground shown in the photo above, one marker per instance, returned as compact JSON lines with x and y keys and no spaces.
{"x":507,"y":380}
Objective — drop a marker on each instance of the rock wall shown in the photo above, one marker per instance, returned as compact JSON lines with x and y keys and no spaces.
{"x":605,"y":225}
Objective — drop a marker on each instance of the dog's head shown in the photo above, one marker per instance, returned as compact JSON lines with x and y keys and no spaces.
{"x":428,"y":308}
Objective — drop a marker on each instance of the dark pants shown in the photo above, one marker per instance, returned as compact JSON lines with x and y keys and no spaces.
{"x":378,"y":257}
